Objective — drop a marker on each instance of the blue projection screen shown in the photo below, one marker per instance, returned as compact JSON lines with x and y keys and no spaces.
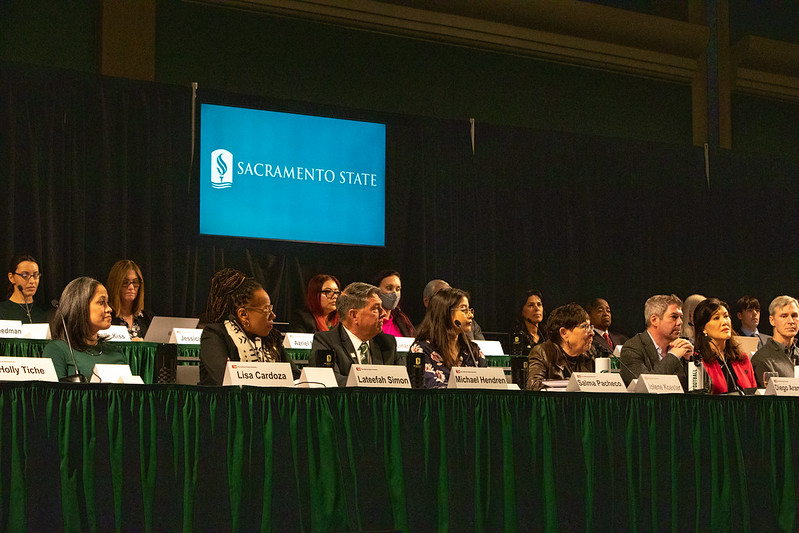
{"x":270,"y":175}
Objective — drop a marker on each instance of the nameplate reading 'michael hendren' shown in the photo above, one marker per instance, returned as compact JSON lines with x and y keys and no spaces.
{"x":27,"y":369}
{"x":592,"y":382}
{"x":658,"y":384}
{"x":298,"y":341}
{"x":258,"y":374}
{"x":470,"y":377}
{"x":783,"y":386}
{"x":384,"y":376}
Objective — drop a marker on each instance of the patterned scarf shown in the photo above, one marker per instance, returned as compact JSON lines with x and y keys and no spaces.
{"x":249,"y":350}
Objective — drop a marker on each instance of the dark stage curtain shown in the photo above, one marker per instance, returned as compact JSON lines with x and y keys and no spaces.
{"x":97,"y":169}
{"x":143,"y":458}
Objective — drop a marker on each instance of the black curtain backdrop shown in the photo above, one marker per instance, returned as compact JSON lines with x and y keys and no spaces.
{"x":97,"y":169}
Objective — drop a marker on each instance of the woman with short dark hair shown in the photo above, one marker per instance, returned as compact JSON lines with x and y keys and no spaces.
{"x":23,"y":282}
{"x":568,"y":349}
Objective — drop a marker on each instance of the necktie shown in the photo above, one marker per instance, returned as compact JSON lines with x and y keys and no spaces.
{"x":608,"y":340}
{"x":364,"y":349}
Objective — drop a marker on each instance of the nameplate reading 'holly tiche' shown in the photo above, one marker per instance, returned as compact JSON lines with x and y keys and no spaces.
{"x":783,"y":387}
{"x":592,"y":382}
{"x":658,"y":384}
{"x":185,"y":336}
{"x":298,"y":341}
{"x":27,"y":369}
{"x":383,"y":376}
{"x":470,"y":377}
{"x":258,"y":374}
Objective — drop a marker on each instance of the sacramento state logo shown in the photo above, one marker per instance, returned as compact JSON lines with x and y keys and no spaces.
{"x":221,"y":169}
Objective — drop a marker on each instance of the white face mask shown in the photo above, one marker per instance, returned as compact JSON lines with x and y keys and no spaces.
{"x":390,"y":300}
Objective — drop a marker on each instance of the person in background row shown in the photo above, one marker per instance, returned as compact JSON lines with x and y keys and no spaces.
{"x":443,"y":341}
{"x":396,"y":322}
{"x":779,"y":354}
{"x":604,"y":342}
{"x":527,"y":324}
{"x":435,"y":285}
{"x":727,"y":366}
{"x":659,"y":349}
{"x":687,"y":329}
{"x":85,"y":311}
{"x":747,"y":309}
{"x":320,"y":306}
{"x":357,"y":337}
{"x":241,"y":328}
{"x":126,"y":296}
{"x":23,"y":282}
{"x":568,"y":349}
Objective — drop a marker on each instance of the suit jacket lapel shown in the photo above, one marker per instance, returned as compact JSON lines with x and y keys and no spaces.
{"x":651,"y":350}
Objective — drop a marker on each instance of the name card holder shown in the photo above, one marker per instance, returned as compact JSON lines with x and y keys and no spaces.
{"x":658,"y":384}
{"x":258,"y":374}
{"x":298,"y":341}
{"x":27,"y":369}
{"x":593,"y":382}
{"x":384,"y":376}
{"x":317,"y":378}
{"x":404,"y":344}
{"x":490,"y":347}
{"x":185,"y":336}
{"x":470,"y":377}
{"x":104,"y":373}
{"x":10,"y":328}
{"x":782,"y":387}
{"x":36,"y":331}
{"x":116,"y":334}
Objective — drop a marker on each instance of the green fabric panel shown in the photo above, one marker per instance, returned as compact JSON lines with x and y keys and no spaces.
{"x":116,"y":441}
{"x":22,"y":347}
{"x":148,"y":461}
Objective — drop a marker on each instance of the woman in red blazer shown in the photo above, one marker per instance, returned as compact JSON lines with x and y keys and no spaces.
{"x":728,"y":367}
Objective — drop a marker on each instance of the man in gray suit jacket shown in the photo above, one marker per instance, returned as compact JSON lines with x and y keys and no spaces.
{"x":659,"y":349}
{"x":357,"y":338}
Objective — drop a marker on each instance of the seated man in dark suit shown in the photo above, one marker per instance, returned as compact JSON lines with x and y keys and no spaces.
{"x":659,"y":349}
{"x":747,"y":309}
{"x":357,"y":337}
{"x":604,"y":342}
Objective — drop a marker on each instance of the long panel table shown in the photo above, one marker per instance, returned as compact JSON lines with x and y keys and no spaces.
{"x":169,"y":458}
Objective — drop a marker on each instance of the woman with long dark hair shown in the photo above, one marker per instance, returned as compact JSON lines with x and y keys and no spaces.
{"x":528,"y":321}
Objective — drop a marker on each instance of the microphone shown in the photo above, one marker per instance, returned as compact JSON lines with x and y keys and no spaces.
{"x":734,"y":378}
{"x":77,"y":377}
{"x":27,"y":305}
{"x":468,"y":344}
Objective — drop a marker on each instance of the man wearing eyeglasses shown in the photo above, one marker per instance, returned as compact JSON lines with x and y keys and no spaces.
{"x":435,"y":285}
{"x":357,"y":338}
{"x":659,"y":349}
{"x":23,"y":282}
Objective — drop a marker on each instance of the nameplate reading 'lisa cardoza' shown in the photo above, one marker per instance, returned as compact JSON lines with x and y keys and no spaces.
{"x":470,"y":377}
{"x":384,"y":376}
{"x":298,"y":341}
{"x":27,"y":369}
{"x":592,"y":382}
{"x":116,"y":334}
{"x":11,"y":328}
{"x":185,"y":336}
{"x":783,"y":387}
{"x":258,"y":374}
{"x":658,"y":384}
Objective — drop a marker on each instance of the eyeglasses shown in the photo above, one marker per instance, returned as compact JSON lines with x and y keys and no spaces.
{"x":27,"y":275}
{"x":331,"y":293}
{"x":464,"y":310}
{"x":135,"y":282}
{"x":585,"y":325}
{"x":267,"y":309}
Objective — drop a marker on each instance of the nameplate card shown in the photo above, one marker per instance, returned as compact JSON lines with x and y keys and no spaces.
{"x":258,"y":374}
{"x":298,"y":341}
{"x":782,"y":387}
{"x":471,"y":377}
{"x":384,"y":376}
{"x":658,"y":384}
{"x":185,"y":336}
{"x":104,"y":373}
{"x":404,"y":344}
{"x":11,"y":328}
{"x":36,"y":331}
{"x":490,"y":347}
{"x":317,"y":378}
{"x":116,"y":334}
{"x":27,"y":369}
{"x":593,"y":382}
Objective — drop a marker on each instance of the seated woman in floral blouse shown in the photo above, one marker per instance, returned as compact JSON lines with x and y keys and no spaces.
{"x":442,"y":337}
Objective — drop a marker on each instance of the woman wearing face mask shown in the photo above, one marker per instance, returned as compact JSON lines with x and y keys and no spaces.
{"x":23,"y":282}
{"x":396,"y":322}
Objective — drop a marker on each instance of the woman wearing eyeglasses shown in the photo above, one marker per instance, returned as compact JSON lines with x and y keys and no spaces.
{"x":567,"y":351}
{"x":442,"y":337}
{"x":320,"y":306}
{"x":23,"y":282}
{"x":126,"y":298}
{"x":242,"y":328}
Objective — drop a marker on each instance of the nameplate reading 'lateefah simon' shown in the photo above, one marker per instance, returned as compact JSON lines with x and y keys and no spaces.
{"x":470,"y":377}
{"x":391,"y":376}
{"x":592,"y":382}
{"x":27,"y":369}
{"x":783,"y":386}
{"x":258,"y":374}
{"x":658,"y":384}
{"x":298,"y":341}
